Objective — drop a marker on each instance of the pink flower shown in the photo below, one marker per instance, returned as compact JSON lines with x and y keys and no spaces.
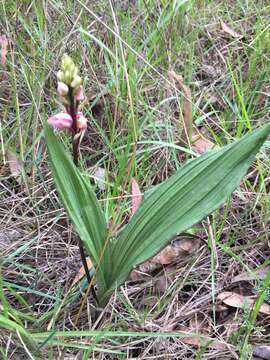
{"x":81,"y":121}
{"x":79,"y":96}
{"x":61,"y":121}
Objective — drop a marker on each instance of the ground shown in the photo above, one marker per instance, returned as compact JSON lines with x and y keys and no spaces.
{"x":124,"y":50}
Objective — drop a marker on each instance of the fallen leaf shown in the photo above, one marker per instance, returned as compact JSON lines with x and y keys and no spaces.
{"x":143,"y":270}
{"x":230,"y":31}
{"x":257,"y":275}
{"x":171,"y":253}
{"x":218,"y":308}
{"x":202,"y":341}
{"x":100,"y":178}
{"x":137,"y":196}
{"x":199,"y":143}
{"x":163,"y":282}
{"x":15,"y":166}
{"x":176,"y":249}
{"x":241,"y":302}
{"x":81,"y":272}
{"x":198,"y":343}
{"x":4,"y":45}
{"x":263,"y":352}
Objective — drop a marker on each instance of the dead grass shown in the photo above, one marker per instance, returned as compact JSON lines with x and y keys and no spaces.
{"x":39,"y":254}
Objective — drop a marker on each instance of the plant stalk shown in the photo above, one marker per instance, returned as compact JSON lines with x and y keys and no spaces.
{"x":75,"y":148}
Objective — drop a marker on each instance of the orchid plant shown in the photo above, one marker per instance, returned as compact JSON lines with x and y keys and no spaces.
{"x":193,"y":192}
{"x":70,"y":90}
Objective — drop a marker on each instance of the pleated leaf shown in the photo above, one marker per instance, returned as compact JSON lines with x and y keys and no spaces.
{"x":78,"y":198}
{"x":195,"y":191}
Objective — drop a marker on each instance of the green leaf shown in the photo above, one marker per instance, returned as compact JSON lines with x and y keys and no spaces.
{"x":78,"y":198}
{"x":12,"y":325}
{"x":6,"y":323}
{"x":195,"y":191}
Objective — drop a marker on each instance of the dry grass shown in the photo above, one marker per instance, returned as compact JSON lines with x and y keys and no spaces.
{"x":39,"y":255}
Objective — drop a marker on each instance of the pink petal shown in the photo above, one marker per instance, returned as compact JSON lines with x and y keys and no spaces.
{"x":4,"y":46}
{"x":61,"y":121}
{"x":81,"y":121}
{"x":79,"y":96}
{"x":137,"y":196}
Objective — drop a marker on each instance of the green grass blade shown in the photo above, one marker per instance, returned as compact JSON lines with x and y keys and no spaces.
{"x":195,"y":191}
{"x":38,"y":336}
{"x":12,"y":325}
{"x":6,"y":323}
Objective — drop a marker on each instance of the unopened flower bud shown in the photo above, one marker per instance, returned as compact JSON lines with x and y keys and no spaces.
{"x":81,"y":121}
{"x":78,"y":93}
{"x":60,"y":75}
{"x":76,"y":82}
{"x":71,"y":69}
{"x":67,"y":77}
{"x":62,"y":89}
{"x":75,"y":71}
{"x":66,"y":62}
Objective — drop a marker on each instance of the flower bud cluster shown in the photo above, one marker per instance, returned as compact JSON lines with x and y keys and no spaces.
{"x":70,"y":89}
{"x":69,"y":80}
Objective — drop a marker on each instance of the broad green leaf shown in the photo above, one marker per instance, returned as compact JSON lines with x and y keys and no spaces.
{"x":78,"y":198}
{"x":195,"y":191}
